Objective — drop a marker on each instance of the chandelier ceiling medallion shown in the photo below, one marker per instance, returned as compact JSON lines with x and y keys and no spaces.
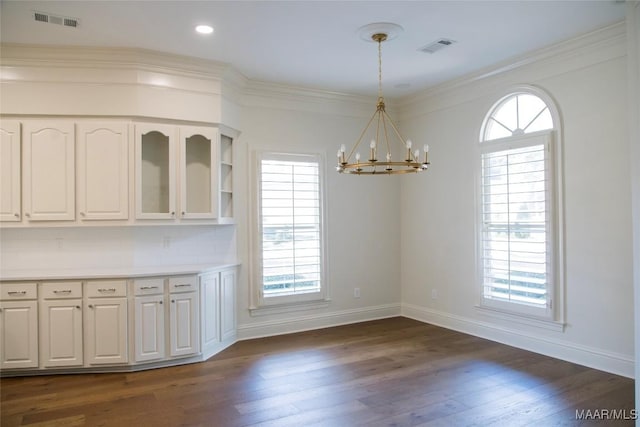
{"x":380,"y":126}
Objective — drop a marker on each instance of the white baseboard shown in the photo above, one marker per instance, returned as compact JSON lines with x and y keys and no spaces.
{"x":316,"y":321}
{"x":596,"y":358}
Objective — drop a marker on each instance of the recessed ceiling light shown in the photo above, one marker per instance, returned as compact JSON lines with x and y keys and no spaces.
{"x":204,"y":29}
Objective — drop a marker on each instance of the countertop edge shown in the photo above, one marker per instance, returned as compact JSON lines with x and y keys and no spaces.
{"x":111,"y":273}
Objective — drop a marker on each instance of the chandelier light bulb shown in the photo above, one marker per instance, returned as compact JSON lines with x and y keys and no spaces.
{"x":409,"y":143}
{"x":426,"y":148}
{"x":343,"y":148}
{"x":357,"y":157}
{"x":372,"y":144}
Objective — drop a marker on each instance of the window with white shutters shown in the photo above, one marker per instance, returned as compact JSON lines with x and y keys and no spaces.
{"x":518,"y":254}
{"x":290,"y":228}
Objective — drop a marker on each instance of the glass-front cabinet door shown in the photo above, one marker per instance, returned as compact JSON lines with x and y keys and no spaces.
{"x":155,"y":171}
{"x":198,"y":178}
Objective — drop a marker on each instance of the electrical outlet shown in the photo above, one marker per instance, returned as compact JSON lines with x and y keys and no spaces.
{"x":434,"y":294}
{"x":356,"y":292}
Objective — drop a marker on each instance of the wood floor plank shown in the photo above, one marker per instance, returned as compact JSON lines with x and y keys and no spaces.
{"x":389,"y":372}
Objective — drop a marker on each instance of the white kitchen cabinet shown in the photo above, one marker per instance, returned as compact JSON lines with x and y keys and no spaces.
{"x":198,"y":166}
{"x":228,"y":304}
{"x":105,"y":322}
{"x":60,"y":324}
{"x":184,"y":329}
{"x":18,"y":325}
{"x":155,"y":171}
{"x":218,"y":306}
{"x":48,"y":171}
{"x":210,"y":309}
{"x":10,"y":209}
{"x":149,"y":319}
{"x":103,"y":170}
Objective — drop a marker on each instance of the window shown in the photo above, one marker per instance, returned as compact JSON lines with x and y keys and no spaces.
{"x":289,"y":267}
{"x":518,"y":256}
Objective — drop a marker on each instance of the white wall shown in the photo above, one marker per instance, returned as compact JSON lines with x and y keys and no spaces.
{"x":362,"y":212}
{"x":438,"y":214}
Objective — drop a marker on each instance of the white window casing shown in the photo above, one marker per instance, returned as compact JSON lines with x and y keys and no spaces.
{"x":288,"y":263}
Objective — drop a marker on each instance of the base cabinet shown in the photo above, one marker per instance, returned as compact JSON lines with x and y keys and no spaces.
{"x":218,"y":306}
{"x":116,"y":324}
{"x":60,"y":324}
{"x":106,"y":323}
{"x":149,"y":328}
{"x":18,"y":334}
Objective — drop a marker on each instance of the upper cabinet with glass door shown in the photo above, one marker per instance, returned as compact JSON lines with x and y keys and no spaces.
{"x":198,"y":163}
{"x":155,"y":171}
{"x":176,"y":180}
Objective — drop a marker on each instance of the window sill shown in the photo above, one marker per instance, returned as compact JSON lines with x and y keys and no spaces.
{"x":288,"y":308}
{"x":551,"y":325}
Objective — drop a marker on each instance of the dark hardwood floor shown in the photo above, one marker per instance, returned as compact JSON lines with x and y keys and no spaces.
{"x":392,"y":372}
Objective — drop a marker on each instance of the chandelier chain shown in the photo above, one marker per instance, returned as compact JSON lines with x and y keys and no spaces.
{"x":379,"y":68}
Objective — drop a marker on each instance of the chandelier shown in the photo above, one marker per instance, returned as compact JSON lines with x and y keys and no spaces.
{"x":383,"y":126}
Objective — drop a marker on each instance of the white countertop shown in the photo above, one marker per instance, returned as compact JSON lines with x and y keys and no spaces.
{"x":104,"y":273}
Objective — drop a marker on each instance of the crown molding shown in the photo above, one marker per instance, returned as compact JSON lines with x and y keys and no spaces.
{"x":22,"y":55}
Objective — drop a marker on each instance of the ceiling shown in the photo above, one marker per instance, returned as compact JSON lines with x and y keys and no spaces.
{"x":316,"y":43}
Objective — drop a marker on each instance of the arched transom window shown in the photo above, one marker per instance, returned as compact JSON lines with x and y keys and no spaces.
{"x":518,"y":209}
{"x":517,"y":114}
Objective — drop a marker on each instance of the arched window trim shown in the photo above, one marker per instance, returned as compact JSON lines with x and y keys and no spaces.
{"x":557,"y":319}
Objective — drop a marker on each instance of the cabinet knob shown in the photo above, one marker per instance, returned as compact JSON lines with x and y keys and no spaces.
{"x":78,"y":307}
{"x":160,"y":302}
{"x":183,"y":213}
{"x":17,"y":215}
{"x":173,"y":301}
{"x":90,"y":305}
{"x":82,"y":214}
{"x":28,"y":215}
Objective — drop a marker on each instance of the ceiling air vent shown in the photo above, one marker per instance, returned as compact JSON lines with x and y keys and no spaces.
{"x":437,"y":45}
{"x":58,"y":20}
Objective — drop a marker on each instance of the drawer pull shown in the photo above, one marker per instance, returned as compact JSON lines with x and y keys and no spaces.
{"x":182,"y":285}
{"x":106,"y":289}
{"x":62,"y":291}
{"x":17,"y":292}
{"x":145,"y":288}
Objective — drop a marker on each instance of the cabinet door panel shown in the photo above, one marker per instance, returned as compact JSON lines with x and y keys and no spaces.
{"x":49,"y":171}
{"x":228,"y":304}
{"x":10,"y":209}
{"x":18,"y":334}
{"x":106,"y":331}
{"x":184,"y":331}
{"x":149,"y":328}
{"x":209,"y":303}
{"x":103,"y":171}
{"x":60,"y":333}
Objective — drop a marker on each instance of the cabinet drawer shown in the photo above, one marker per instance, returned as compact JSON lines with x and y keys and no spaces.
{"x":106,"y":288}
{"x":183,"y":284}
{"x":18,"y":291}
{"x":57,"y":290}
{"x":148,"y":286}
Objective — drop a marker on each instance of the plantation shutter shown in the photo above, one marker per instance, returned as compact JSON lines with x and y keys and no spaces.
{"x":290,"y":221}
{"x":516,"y":212}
